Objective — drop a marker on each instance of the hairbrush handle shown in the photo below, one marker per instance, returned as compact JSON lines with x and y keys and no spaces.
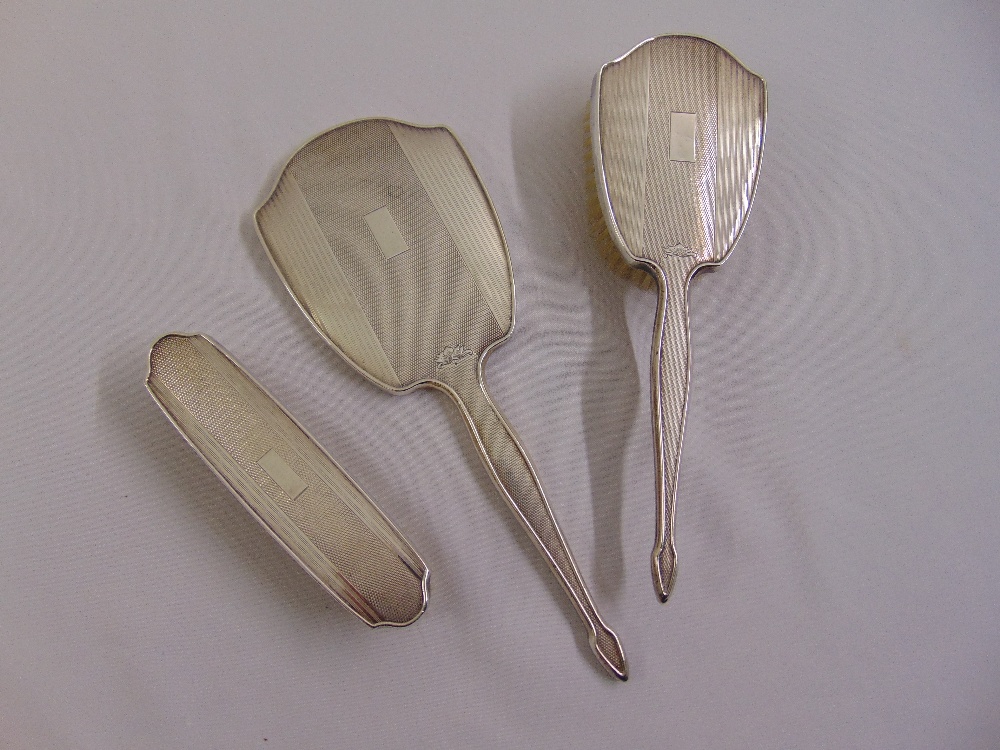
{"x":513,"y":474}
{"x":671,"y":365}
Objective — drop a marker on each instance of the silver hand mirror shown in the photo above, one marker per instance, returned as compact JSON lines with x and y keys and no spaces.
{"x":677,"y":127}
{"x":386,"y":238}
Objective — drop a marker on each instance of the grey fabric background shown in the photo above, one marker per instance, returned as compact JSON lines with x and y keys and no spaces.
{"x":837,"y":517}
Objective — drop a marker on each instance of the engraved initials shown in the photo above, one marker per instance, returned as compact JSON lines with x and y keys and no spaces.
{"x":452,"y":356}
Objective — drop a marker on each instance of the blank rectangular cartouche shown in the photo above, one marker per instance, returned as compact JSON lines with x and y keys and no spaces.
{"x":386,"y":233}
{"x":282,"y":474}
{"x":682,"y":132}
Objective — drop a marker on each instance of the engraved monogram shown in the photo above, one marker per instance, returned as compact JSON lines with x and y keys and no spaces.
{"x":452,"y":355}
{"x":680,"y":251}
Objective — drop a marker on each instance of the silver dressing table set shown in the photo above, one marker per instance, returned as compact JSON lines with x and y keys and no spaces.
{"x":385,"y":236}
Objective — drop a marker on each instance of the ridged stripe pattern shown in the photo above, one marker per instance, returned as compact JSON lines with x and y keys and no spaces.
{"x":511,"y":470}
{"x":419,"y":302}
{"x":309,"y":266}
{"x":679,"y":208}
{"x":670,"y":368}
{"x":331,"y":528}
{"x":460,"y":199}
{"x":741,"y":139}
{"x":622,"y":107}
{"x":662,"y":207}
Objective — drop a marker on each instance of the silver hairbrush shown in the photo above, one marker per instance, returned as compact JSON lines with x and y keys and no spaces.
{"x":677,"y":128}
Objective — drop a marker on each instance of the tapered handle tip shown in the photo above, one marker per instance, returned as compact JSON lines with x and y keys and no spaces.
{"x":664,"y":570}
{"x":609,"y":652}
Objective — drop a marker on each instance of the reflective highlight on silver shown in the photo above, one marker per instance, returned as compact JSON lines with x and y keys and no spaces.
{"x":287,"y":481}
{"x":426,"y":317}
{"x":677,"y":127}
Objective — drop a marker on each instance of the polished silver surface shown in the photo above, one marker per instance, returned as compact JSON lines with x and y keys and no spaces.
{"x":677,"y":127}
{"x":287,"y":481}
{"x":426,"y":316}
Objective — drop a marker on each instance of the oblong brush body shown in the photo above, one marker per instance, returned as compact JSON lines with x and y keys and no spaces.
{"x":304,"y":499}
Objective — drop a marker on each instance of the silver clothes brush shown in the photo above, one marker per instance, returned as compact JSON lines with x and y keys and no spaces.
{"x":287,"y":481}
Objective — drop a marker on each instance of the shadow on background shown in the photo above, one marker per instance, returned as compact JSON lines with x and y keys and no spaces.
{"x":554,"y":178}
